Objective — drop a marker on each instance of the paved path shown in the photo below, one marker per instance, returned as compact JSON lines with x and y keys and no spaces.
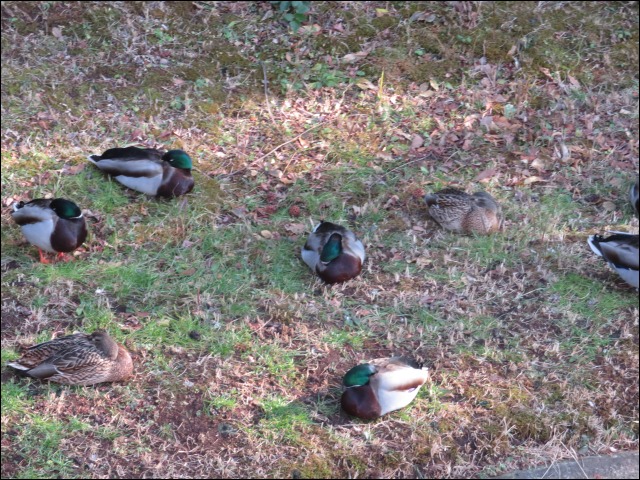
{"x":621,"y":465}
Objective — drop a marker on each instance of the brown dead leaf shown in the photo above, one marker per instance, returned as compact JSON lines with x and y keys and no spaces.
{"x":574,"y":82}
{"x":137,"y":134}
{"x":365,"y":84}
{"x":295,"y":228}
{"x":487,"y":122}
{"x":486,"y":174}
{"x":354,"y":57}
{"x":188,"y":272}
{"x":384,"y":156}
{"x":533,"y":179}
{"x":622,"y":165}
{"x":547,"y":72}
{"x":303,"y":143}
{"x":538,"y":164}
{"x":73,"y":170}
{"x":417,"y":141}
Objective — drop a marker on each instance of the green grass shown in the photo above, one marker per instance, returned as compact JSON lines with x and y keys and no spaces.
{"x":283,"y":420}
{"x":239,"y":349}
{"x":40,"y":442}
{"x":585,"y":298}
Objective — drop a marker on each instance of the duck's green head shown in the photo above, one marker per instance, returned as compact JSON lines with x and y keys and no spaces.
{"x":178,"y":159}
{"x":65,"y":208}
{"x":358,"y":375}
{"x":332,"y":249}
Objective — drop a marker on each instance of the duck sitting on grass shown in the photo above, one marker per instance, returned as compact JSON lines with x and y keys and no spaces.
{"x":52,"y":225}
{"x":333,"y":252}
{"x":381,"y":386}
{"x":459,"y":212}
{"x":621,"y":251}
{"x":77,"y":359}
{"x":148,"y":170}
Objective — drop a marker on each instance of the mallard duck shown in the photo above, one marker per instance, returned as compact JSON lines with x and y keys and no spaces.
{"x":621,"y":251}
{"x":460,"y":212}
{"x":52,"y":225}
{"x":77,"y":359}
{"x":148,"y":170}
{"x":333,"y":252}
{"x":633,"y":196}
{"x":381,"y":386}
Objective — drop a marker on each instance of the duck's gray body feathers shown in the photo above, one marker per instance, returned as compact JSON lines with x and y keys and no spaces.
{"x":621,"y":251}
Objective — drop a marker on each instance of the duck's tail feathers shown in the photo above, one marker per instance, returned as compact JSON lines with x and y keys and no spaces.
{"x":593,"y":241}
{"x":17,"y":366}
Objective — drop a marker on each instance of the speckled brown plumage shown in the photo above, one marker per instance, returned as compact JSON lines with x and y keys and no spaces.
{"x":460,"y":212}
{"x":77,"y":359}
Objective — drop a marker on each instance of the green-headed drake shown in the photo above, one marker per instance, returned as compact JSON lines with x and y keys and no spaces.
{"x":333,"y":252}
{"x":148,"y":170}
{"x":77,"y":359}
{"x":52,"y":225}
{"x":621,"y":251}
{"x":381,"y":386}
{"x":460,"y":212}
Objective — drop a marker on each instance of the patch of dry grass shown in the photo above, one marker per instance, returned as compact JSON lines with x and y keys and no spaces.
{"x":532,"y":343}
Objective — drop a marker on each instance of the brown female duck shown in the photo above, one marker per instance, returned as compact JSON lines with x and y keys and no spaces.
{"x":77,"y":359}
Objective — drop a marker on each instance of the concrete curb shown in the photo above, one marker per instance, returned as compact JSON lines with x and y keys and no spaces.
{"x":621,"y":465}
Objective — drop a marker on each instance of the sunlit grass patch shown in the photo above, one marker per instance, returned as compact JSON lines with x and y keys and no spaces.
{"x":224,"y":402}
{"x":40,"y":442}
{"x":162,"y":330}
{"x":341,"y":338}
{"x":284,"y":419}
{"x":239,"y":348}
{"x":582,"y":296}
{"x":275,"y":361}
{"x":15,"y":399}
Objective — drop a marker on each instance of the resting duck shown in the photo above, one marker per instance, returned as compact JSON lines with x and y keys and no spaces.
{"x":633,"y":196}
{"x":460,"y":212}
{"x":621,"y":251}
{"x":381,"y":386}
{"x":77,"y":359}
{"x":333,"y":252}
{"x":52,"y":225}
{"x":148,"y":170}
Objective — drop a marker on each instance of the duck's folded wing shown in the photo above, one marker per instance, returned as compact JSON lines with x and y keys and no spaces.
{"x":621,"y":254}
{"x":130,"y":168}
